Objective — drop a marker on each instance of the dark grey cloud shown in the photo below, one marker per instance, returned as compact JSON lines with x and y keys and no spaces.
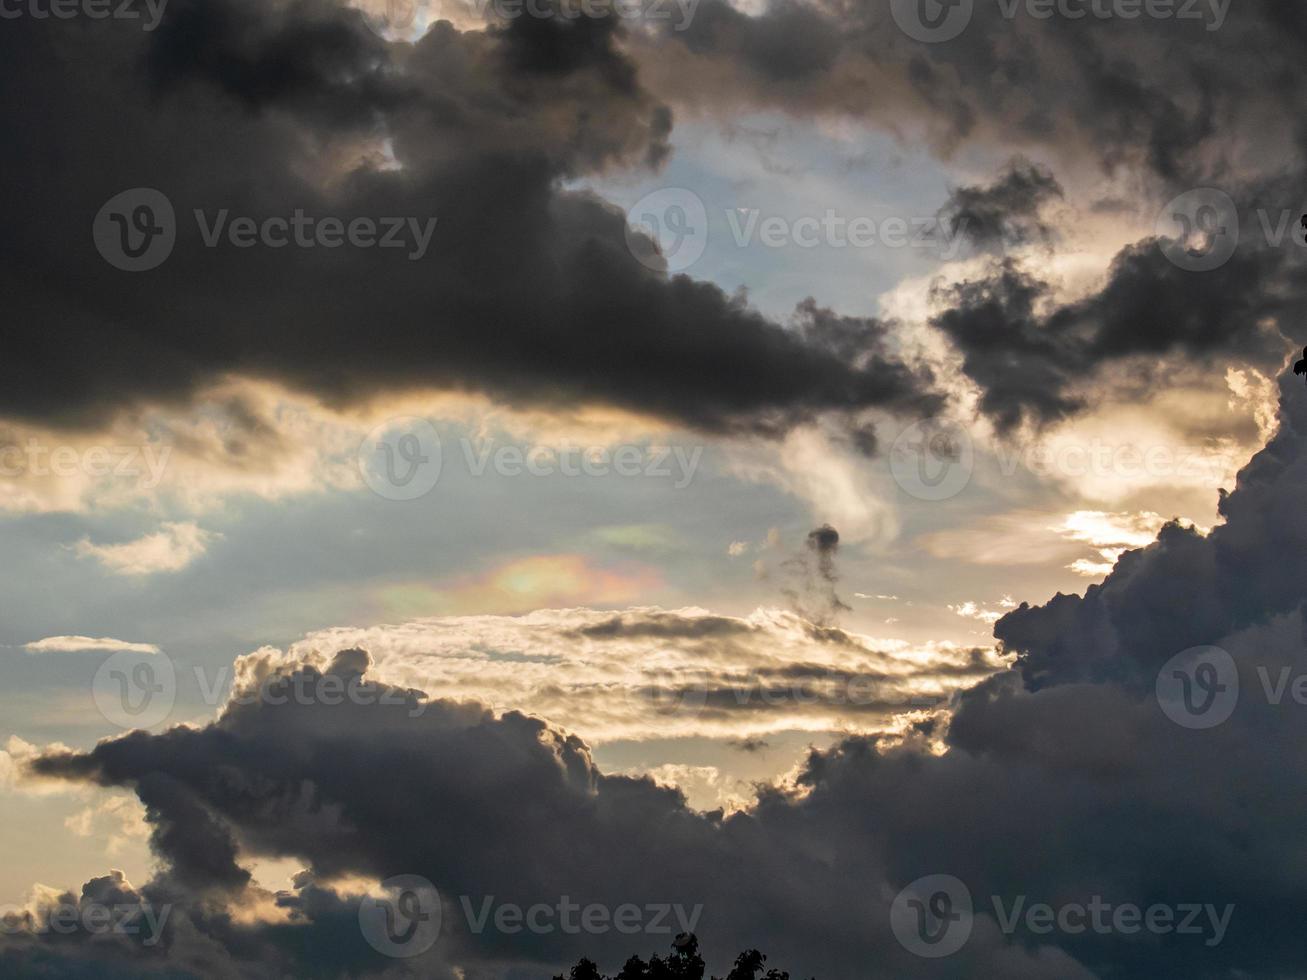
{"x":1036,"y":360}
{"x":1005,"y":213}
{"x":1161,"y":94}
{"x":527,"y":292}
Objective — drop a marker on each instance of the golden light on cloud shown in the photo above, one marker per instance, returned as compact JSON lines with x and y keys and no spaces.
{"x":644,"y":673}
{"x":244,"y":437}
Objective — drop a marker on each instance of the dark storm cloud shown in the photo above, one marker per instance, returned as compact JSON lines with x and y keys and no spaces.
{"x":792,"y":41}
{"x":1033,"y":360}
{"x":1126,"y":91}
{"x":527,"y":292}
{"x":1005,"y":213}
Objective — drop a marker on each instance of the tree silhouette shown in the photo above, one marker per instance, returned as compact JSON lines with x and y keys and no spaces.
{"x":683,"y":963}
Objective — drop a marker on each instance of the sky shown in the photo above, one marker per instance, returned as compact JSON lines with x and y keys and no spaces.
{"x":825,"y":476}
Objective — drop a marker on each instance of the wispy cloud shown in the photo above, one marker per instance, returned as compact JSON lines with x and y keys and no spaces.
{"x":169,"y":549}
{"x":73,"y":644}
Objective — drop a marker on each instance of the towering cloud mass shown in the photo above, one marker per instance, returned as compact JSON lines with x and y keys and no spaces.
{"x":1060,"y":781}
